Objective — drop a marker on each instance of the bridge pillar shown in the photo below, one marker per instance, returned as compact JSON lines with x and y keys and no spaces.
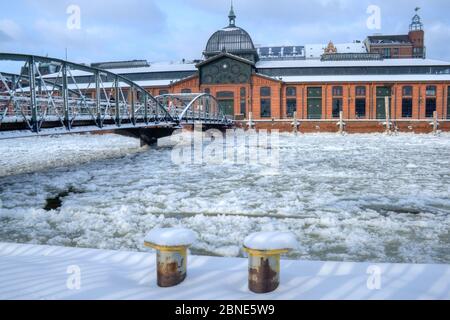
{"x":147,"y":136}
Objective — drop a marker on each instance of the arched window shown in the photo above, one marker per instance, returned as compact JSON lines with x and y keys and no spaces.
{"x":243,"y":101}
{"x":407,"y":91}
{"x":431,"y":91}
{"x":266,"y":92}
{"x":337,"y":101}
{"x":314,"y":102}
{"x":430,"y":104}
{"x":266,"y":103}
{"x":337,"y":91}
{"x":291,"y":91}
{"x":226,"y":100}
{"x":360,"y":91}
{"x":407,"y":102}
{"x":291,"y":101}
{"x":360,"y":102}
{"x":383,"y":93}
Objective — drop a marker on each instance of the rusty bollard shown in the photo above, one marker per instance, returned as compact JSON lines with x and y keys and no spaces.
{"x":265,"y":250}
{"x":171,"y":245}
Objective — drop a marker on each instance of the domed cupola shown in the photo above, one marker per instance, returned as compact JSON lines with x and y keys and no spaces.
{"x":231,"y":39}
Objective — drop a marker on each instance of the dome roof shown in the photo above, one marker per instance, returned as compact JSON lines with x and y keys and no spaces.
{"x":231,"y":39}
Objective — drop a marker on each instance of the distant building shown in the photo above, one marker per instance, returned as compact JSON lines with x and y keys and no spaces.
{"x":121,"y":64}
{"x":44,"y":68}
{"x":411,"y":45}
{"x":309,"y":51}
{"x":315,"y":51}
{"x":281,"y":53}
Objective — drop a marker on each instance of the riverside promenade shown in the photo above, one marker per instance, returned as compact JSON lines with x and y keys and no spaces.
{"x":48,"y":273}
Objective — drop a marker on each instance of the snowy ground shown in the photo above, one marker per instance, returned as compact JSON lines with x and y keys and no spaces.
{"x":352,"y":198}
{"x":35,"y":272}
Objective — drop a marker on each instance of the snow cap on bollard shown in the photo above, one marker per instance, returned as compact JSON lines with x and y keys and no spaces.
{"x":171,"y":245}
{"x":265,"y":250}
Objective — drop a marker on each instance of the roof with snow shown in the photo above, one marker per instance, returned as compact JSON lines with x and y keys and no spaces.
{"x":368,"y":78}
{"x":281,"y":52}
{"x":374,"y":63}
{"x":315,"y":51}
{"x":121,"y":64}
{"x":394,"y":39}
{"x":153,"y":68}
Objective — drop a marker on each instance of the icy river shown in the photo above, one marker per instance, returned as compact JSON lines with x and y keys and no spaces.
{"x":346,"y":198}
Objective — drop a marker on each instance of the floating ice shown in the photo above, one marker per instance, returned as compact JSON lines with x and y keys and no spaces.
{"x":171,"y":237}
{"x":360,"y":203}
{"x":271,"y":241}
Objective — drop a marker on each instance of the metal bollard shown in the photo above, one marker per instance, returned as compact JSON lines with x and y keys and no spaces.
{"x":264,"y":270}
{"x":265,"y":250}
{"x":171,"y":260}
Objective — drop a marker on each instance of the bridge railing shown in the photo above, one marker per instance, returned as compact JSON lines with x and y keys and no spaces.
{"x":102,"y":98}
{"x":192,"y":107}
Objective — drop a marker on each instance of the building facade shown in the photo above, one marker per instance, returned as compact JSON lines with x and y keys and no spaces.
{"x":271,"y":90}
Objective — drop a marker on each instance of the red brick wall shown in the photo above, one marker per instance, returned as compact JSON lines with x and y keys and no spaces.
{"x":404,"y":51}
{"x":236,"y":89}
{"x":191,"y":83}
{"x":417,"y":38}
{"x":278,"y":97}
{"x":349,"y":98}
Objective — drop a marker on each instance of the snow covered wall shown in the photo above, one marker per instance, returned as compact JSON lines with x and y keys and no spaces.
{"x":346,"y":198}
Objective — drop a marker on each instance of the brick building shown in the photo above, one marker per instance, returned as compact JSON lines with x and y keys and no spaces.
{"x":317,"y":91}
{"x":411,"y":45}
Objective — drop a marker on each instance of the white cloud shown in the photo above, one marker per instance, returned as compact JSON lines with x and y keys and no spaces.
{"x":175,"y":29}
{"x":10,"y":29}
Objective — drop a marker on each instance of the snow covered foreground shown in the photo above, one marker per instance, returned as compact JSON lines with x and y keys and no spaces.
{"x":43,"y":272}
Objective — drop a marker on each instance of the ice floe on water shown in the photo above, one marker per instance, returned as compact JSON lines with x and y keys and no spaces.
{"x":353,"y":198}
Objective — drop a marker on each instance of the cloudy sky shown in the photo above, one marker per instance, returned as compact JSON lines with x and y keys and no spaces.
{"x":169,"y":30}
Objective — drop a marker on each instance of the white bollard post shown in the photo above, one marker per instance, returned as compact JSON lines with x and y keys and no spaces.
{"x":388,"y":115}
{"x":250,"y":124}
{"x":341,"y":123}
{"x":435,"y":123}
{"x":295,"y":123}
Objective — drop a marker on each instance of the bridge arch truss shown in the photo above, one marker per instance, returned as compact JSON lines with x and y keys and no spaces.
{"x":103,"y":99}
{"x":194,"y":107}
